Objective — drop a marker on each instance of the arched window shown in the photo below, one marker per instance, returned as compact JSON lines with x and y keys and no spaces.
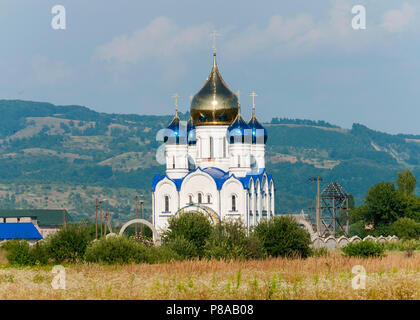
{"x":173,"y":162}
{"x":208,"y":198}
{"x":211,"y":147}
{"x":239,"y":161}
{"x":233,"y":202}
{"x":166,"y":203}
{"x":200,"y":198}
{"x":190,"y":199}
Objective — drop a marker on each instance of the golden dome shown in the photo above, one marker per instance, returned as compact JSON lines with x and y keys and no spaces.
{"x":215,"y":103}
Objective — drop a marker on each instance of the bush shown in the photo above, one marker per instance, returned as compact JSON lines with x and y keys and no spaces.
{"x":116,"y":249}
{"x":162,"y":254}
{"x":69,"y":244}
{"x":364,"y":249}
{"x":192,"y":226}
{"x":229,"y":240}
{"x":20,"y":253}
{"x":406,"y":228}
{"x":402,"y":245}
{"x":282,"y":236}
{"x":182,"y":247}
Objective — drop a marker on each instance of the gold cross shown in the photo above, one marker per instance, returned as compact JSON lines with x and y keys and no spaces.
{"x":253,"y":95}
{"x":214,"y":34}
{"x":176,"y":96}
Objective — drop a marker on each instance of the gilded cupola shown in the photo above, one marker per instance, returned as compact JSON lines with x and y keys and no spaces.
{"x":215,"y":103}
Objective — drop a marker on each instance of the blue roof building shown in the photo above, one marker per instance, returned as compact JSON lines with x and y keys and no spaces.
{"x":19,"y":231}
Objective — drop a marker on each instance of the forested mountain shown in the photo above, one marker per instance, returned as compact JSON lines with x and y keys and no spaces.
{"x":66,"y":156}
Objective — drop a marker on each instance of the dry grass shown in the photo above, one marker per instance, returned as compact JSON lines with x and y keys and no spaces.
{"x":393,"y":277}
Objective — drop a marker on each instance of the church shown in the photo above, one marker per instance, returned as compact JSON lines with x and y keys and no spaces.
{"x":215,"y":163}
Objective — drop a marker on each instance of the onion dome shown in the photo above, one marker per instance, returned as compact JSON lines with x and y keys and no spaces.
{"x":259,"y":133}
{"x":239,"y":131}
{"x":215,"y":103}
{"x":191,"y":137}
{"x":175,"y":132}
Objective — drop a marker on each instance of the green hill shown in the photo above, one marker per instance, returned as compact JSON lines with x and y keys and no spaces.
{"x":66,"y":156}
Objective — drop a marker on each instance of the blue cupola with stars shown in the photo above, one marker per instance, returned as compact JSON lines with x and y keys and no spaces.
{"x":258,"y":132}
{"x":175,"y":132}
{"x":239,"y":131}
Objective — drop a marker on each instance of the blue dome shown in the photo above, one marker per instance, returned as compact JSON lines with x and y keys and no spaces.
{"x":175,"y":132}
{"x":259,"y":133}
{"x":239,"y":131}
{"x":191,"y":136}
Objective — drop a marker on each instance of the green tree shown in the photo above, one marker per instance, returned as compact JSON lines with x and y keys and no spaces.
{"x":194,"y":227}
{"x":383,"y":204}
{"x":406,"y":228}
{"x":282,"y":236}
{"x":406,"y":182}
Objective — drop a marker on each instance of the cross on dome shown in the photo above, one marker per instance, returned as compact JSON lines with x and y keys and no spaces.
{"x":176,"y":96}
{"x":253,"y":95}
{"x":214,"y":34}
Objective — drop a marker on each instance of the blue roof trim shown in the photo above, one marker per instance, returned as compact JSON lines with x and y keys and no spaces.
{"x":159,"y":177}
{"x":219,"y":176}
{"x":19,"y":230}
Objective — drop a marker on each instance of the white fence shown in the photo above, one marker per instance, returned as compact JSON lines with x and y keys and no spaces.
{"x":332,"y":243}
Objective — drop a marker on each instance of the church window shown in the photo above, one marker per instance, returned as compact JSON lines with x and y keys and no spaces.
{"x":233,"y":202}
{"x":190,"y":199}
{"x":173,"y":162}
{"x":200,"y":198}
{"x":166,"y":203}
{"x":211,"y":147}
{"x":239,"y":161}
{"x":208,"y":198}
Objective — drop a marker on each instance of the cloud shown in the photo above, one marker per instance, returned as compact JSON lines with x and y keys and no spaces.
{"x":301,"y":34}
{"x":304,"y":34}
{"x":397,"y":20}
{"x":161,"y":38}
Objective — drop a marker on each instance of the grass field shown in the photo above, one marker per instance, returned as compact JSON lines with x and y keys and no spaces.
{"x":395,"y":276}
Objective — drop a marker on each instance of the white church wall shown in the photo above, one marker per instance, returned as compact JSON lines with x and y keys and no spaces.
{"x":161,"y":215}
{"x":199,"y":182}
{"x":218,"y":155}
{"x":230,"y":188}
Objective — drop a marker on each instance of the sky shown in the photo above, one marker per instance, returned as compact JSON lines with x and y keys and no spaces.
{"x":302,"y":58}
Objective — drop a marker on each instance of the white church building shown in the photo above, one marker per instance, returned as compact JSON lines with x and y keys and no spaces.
{"x":215,"y":163}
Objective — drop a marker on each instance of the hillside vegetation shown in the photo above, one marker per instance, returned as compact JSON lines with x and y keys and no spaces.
{"x":66,"y":156}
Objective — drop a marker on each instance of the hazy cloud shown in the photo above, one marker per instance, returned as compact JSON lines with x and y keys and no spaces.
{"x":161,"y":38}
{"x":397,"y":20}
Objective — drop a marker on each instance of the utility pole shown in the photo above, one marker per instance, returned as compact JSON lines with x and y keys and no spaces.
{"x":347,"y":215}
{"x":96,"y":219}
{"x":141,"y":216}
{"x":105,"y":221}
{"x":317,"y":211}
{"x":64,"y":217}
{"x":135,"y":225}
{"x":312,"y":222}
{"x":100,"y":213}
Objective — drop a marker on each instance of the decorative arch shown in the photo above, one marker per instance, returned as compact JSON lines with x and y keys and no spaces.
{"x":198,"y":172}
{"x":156,"y":238}
{"x":213,"y":216}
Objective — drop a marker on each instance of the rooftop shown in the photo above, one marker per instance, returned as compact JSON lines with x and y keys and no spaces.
{"x":44,"y":217}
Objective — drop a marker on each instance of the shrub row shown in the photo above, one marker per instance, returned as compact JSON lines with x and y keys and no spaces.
{"x":189,"y":236}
